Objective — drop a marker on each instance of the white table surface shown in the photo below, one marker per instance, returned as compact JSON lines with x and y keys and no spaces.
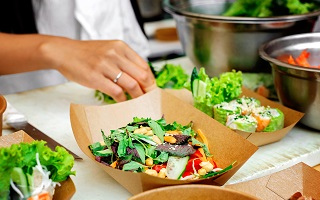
{"x":48,"y":110}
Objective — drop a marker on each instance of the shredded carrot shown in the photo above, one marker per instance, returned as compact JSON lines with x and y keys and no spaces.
{"x":42,"y":196}
{"x":291,"y":60}
{"x":203,"y":138}
{"x":302,"y":59}
{"x":114,"y":164}
{"x":204,"y":157}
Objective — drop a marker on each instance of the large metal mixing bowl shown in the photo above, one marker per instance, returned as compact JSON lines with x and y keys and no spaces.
{"x":221,"y":43}
{"x":297,"y":87}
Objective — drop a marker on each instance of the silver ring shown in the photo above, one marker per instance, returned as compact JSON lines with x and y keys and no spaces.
{"x":117,"y":78}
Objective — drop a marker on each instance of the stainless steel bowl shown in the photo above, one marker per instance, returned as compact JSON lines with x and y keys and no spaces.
{"x":221,"y":43}
{"x":297,"y":87}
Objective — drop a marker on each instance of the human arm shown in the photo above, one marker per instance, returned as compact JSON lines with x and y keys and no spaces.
{"x":94,"y":64}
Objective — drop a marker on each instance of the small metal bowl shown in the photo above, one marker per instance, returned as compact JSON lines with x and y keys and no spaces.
{"x":3,"y":106}
{"x":297,"y":87}
{"x":221,"y":43}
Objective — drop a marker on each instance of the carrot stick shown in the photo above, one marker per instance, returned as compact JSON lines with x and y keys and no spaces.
{"x":203,"y":138}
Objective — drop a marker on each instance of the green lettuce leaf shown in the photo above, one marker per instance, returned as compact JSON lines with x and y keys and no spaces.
{"x":209,"y":92}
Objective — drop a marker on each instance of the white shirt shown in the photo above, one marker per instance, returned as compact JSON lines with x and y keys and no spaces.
{"x":91,"y":20}
{"x":78,"y":19}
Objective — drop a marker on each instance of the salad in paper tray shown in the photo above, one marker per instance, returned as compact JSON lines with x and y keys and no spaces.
{"x":32,"y":170}
{"x":220,"y":99}
{"x":159,"y":149}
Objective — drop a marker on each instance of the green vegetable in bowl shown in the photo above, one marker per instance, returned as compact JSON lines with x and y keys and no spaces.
{"x":269,"y":8}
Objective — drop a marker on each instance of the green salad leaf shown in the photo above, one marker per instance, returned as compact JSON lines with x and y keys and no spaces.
{"x":209,"y":92}
{"x":133,"y":166}
{"x":171,"y":76}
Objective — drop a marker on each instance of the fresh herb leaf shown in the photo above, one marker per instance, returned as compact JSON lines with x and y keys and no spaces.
{"x":105,"y":152}
{"x":133,"y":166}
{"x":150,"y":151}
{"x":205,"y":148}
{"x":107,"y":140}
{"x":162,"y":158}
{"x":96,"y":147}
{"x":141,"y":152}
{"x":122,"y":148}
{"x":215,"y":173}
{"x":157,"y":129}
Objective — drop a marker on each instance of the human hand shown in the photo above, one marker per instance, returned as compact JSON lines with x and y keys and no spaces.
{"x":97,"y":64}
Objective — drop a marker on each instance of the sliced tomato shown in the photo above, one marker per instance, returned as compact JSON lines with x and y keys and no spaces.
{"x":159,"y":167}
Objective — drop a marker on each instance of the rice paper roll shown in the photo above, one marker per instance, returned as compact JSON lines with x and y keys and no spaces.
{"x":247,"y":104}
{"x":245,"y":123}
{"x":276,"y":120}
{"x":222,"y":110}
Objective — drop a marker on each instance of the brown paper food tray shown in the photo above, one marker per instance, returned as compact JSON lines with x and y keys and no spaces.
{"x":225,"y":145}
{"x":283,"y":184}
{"x":67,"y":188}
{"x":193,"y":192}
{"x":257,"y":138}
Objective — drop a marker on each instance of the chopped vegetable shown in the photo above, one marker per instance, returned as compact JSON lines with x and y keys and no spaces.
{"x":176,"y":166}
{"x":156,"y":148}
{"x":301,"y":60}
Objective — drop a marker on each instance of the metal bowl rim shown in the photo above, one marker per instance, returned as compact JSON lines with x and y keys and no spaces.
{"x":284,"y":18}
{"x":267,"y":57}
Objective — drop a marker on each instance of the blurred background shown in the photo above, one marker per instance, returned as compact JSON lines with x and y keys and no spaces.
{"x":160,"y":29}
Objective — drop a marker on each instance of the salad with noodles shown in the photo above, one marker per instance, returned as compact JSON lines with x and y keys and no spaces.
{"x":31,"y":171}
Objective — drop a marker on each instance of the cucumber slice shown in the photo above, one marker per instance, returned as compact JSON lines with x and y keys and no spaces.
{"x":176,"y":166}
{"x":18,"y":177}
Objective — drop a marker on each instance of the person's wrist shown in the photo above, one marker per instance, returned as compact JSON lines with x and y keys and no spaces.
{"x":50,"y":51}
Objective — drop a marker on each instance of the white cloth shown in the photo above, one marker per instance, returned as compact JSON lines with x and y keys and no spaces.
{"x":91,"y":20}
